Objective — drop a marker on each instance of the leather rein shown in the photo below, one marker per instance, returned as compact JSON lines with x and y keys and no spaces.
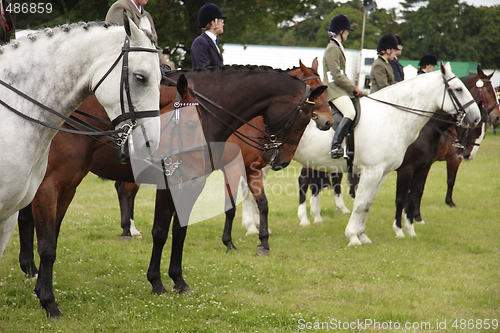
{"x":90,"y":130}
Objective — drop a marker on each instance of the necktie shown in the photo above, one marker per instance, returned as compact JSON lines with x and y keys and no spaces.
{"x":217,"y":44}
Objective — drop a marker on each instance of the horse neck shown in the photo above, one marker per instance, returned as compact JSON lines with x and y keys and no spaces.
{"x":247,"y":94}
{"x":56,"y":70}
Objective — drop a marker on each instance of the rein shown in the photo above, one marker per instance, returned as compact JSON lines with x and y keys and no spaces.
{"x":461,"y":113}
{"x":252,"y":141}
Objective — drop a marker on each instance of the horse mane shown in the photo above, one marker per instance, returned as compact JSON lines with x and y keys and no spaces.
{"x":230,"y":68}
{"x":49,"y":32}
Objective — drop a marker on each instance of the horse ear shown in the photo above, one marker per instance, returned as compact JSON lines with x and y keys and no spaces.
{"x":144,"y":24}
{"x":317,"y":92}
{"x":130,"y":28}
{"x":445,"y":68}
{"x":315,"y":64}
{"x":302,"y":66}
{"x":182,"y":86}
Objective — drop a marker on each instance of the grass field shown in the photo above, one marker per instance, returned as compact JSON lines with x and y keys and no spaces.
{"x":445,"y":280}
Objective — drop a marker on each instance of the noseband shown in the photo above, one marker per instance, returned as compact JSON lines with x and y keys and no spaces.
{"x":125,"y":86}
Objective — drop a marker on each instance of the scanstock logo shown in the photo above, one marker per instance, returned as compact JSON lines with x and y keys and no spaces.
{"x":192,"y":169}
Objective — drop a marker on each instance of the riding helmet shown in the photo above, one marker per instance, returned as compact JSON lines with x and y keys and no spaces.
{"x":387,"y":41}
{"x":428,"y":59}
{"x":208,"y":13}
{"x":339,"y":22}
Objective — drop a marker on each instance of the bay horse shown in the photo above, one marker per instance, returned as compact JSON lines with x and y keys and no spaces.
{"x":256,"y":86}
{"x":57,"y":69}
{"x":436,"y":141}
{"x":70,"y":159}
{"x":382,"y":136}
{"x":253,"y":162}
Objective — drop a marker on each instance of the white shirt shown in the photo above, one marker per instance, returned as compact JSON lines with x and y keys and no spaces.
{"x":139,"y":8}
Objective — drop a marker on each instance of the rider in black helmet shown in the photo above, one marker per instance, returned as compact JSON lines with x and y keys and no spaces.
{"x":205,"y":49}
{"x":340,"y":88}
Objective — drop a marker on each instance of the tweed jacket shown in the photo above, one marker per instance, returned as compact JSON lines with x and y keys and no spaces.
{"x":10,"y":19}
{"x":115,"y":15}
{"x":397,"y":68}
{"x":204,"y":52}
{"x":381,"y":74}
{"x":334,"y":75}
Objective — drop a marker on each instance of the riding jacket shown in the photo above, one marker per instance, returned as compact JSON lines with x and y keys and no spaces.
{"x":381,"y":74}
{"x":334,"y":76}
{"x":204,"y":52}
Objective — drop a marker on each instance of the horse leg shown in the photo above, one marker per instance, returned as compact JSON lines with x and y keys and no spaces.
{"x":353,"y":184}
{"x":231,"y":183}
{"x":164,"y":210}
{"x":26,"y":226}
{"x":249,"y":213}
{"x":126,"y":196}
{"x":256,"y":186}
{"x":452,"y":165}
{"x":402,"y":186}
{"x":414,"y":198}
{"x":370,"y":182}
{"x":175,"y":269}
{"x":337,"y":190}
{"x":304,"y":181}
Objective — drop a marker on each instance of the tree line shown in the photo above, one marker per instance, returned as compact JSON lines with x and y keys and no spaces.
{"x":451,"y":29}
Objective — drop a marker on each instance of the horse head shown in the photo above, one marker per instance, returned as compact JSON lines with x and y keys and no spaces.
{"x":279,"y":156}
{"x":487,"y":94}
{"x":322,"y":114}
{"x":458,"y":100}
{"x":469,"y":139}
{"x":135,"y":70}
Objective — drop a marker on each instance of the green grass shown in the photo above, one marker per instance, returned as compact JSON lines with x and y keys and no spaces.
{"x":450,"y":271}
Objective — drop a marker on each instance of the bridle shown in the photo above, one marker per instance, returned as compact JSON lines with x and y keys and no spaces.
{"x":316,"y":107}
{"x":168,"y":165}
{"x":122,"y":132}
{"x":132,"y":114}
{"x":272,"y":139}
{"x":461,"y":113}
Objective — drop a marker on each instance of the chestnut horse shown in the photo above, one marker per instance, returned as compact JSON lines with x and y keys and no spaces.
{"x":254,"y":163}
{"x":241,"y":93}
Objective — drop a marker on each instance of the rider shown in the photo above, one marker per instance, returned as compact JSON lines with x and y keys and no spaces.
{"x":427,"y":63}
{"x":205,"y":49}
{"x":341,"y":88}
{"x":382,"y":74}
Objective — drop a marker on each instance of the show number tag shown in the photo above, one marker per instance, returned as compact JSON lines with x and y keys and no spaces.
{"x":479,"y":83}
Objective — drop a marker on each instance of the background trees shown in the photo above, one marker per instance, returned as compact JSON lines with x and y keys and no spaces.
{"x":453,"y":30}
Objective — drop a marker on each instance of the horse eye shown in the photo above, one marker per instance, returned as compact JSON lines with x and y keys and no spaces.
{"x":139,"y":77}
{"x":459,"y":89}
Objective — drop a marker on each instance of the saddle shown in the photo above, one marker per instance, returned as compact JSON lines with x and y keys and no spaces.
{"x":349,"y":138}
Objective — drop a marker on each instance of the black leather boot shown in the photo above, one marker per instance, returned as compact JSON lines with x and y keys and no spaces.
{"x":340,"y":133}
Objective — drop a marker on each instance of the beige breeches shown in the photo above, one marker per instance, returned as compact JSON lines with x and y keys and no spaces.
{"x":344,"y":104}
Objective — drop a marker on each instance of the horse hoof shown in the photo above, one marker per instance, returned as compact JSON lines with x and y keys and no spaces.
{"x":261,"y":251}
{"x":182,"y":289}
{"x":53,"y":312}
{"x":125,"y":238}
{"x":305,"y":223}
{"x":364,"y":239}
{"x":419,"y":222}
{"x":354,"y":241}
{"x":252,"y":231}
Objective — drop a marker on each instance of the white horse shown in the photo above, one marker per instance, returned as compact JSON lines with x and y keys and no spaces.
{"x":57,"y":69}
{"x":384,"y":132}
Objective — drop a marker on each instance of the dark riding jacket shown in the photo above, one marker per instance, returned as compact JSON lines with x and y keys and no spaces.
{"x":204,"y":52}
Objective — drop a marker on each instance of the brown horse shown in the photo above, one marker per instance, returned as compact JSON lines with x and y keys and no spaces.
{"x":253,"y":163}
{"x":437,"y":142}
{"x":245,"y":91}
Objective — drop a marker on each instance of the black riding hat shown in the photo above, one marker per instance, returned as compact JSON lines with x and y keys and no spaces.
{"x":339,"y":22}
{"x":208,"y":13}
{"x":428,"y":59}
{"x":387,"y":41}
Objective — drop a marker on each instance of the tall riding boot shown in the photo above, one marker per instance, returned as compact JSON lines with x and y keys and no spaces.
{"x":340,"y":133}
